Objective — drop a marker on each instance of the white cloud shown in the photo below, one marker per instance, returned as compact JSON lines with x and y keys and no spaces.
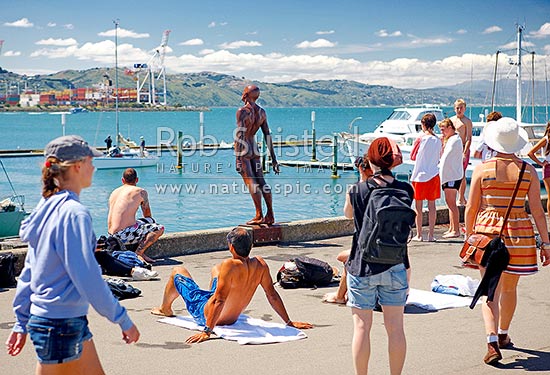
{"x":101,"y":52}
{"x":278,"y":67}
{"x":492,"y":29}
{"x":23,"y":22}
{"x":319,"y":43}
{"x":68,"y":26}
{"x":192,"y":42}
{"x":214,"y":24}
{"x":513,"y":45}
{"x":57,"y":42}
{"x":422,"y":42}
{"x":546,"y":49}
{"x":403,"y":72}
{"x":461,"y":32}
{"x":240,"y":44}
{"x":206,"y":51}
{"x":123,"y":33}
{"x":327,"y":32}
{"x":12,"y":53}
{"x":383,"y":33}
{"x":543,"y":32}
{"x":52,"y":24}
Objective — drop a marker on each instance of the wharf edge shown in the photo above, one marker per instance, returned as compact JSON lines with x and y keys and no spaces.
{"x":212,"y":240}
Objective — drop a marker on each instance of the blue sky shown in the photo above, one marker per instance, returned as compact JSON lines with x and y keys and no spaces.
{"x":400,"y":43}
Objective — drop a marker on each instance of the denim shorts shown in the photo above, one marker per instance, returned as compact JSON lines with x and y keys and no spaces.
{"x":389,"y":287}
{"x":58,"y":340}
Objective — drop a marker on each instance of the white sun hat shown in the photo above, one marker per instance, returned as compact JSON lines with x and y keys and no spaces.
{"x":505,"y":136}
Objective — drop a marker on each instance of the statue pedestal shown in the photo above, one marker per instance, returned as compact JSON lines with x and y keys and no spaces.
{"x":264,"y":234}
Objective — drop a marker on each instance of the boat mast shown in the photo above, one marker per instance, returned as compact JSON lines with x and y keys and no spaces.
{"x":518,"y":81}
{"x":116,"y":80}
{"x":546,"y":88}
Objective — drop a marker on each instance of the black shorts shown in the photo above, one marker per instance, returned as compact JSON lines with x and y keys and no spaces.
{"x":452,"y":184}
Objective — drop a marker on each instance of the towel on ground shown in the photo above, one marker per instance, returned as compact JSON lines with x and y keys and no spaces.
{"x":245,"y":330}
{"x":457,"y":285}
{"x":435,"y":301}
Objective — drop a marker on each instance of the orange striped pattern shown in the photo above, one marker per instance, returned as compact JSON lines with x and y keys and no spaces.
{"x":519,"y":236}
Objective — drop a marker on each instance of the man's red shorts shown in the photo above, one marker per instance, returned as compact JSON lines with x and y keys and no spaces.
{"x":429,"y":190}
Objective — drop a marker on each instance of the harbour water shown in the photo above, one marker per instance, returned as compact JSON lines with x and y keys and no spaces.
{"x":207,"y":192}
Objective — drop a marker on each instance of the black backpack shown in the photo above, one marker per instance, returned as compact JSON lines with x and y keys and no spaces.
{"x":387,"y":224}
{"x":7,"y":270}
{"x":308,"y":273}
{"x":121,"y":289}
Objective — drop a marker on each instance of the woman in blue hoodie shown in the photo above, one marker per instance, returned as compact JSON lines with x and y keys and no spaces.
{"x":61,"y":277}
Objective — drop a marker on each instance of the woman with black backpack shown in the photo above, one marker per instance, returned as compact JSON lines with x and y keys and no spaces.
{"x":368,"y":280}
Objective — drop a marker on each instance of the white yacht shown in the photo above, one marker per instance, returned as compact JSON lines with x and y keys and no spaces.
{"x":403,"y":126}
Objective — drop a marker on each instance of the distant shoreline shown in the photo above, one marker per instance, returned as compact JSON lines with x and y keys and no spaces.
{"x":203,"y":109}
{"x":103,"y":109}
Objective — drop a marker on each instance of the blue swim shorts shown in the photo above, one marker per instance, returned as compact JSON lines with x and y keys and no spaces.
{"x":58,"y":340}
{"x":389,"y":287}
{"x":194,"y":297}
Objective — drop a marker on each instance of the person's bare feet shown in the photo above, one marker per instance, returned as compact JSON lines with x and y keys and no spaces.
{"x":333,"y":298}
{"x":159,"y":312}
{"x":268,"y":219}
{"x":146,"y":258}
{"x":255,"y":220}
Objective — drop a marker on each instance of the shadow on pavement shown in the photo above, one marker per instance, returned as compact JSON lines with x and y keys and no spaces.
{"x":537,"y":361}
{"x":167,"y":345}
{"x":412,"y":309}
{"x":307,"y":245}
{"x":166,"y":262}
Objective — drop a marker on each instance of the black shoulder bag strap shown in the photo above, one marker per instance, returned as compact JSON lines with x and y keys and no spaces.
{"x":509,"y":209}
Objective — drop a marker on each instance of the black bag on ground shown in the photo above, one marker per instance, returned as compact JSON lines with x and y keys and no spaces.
{"x":308,"y":273}
{"x":7,"y":270}
{"x":121,"y":289}
{"x":387,"y":224}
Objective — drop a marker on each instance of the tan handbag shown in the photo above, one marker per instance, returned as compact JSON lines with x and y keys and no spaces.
{"x":474,"y":247}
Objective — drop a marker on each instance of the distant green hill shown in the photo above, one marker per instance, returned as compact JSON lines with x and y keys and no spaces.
{"x":221,"y":90}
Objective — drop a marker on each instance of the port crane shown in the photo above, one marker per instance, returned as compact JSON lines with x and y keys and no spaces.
{"x":150,"y":75}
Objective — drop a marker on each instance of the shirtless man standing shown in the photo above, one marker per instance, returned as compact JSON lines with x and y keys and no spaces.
{"x":463,"y":126}
{"x":123,"y":205}
{"x":232,"y":286}
{"x":250,"y":118}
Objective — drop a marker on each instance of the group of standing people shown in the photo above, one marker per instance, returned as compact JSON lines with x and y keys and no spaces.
{"x":491,"y":190}
{"x":440,"y":164}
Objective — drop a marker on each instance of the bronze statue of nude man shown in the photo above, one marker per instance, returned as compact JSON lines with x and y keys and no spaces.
{"x":250,"y":118}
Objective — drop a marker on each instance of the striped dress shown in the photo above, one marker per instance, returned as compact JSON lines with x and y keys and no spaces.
{"x":519,"y":236}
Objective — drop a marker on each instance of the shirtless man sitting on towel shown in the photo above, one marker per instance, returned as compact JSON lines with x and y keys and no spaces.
{"x":123,"y":205}
{"x":234,"y":282}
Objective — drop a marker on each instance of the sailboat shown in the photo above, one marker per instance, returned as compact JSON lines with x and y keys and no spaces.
{"x":12,"y":211}
{"x":117,"y":156}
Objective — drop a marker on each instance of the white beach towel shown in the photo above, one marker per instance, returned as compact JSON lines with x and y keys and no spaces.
{"x":245,"y":330}
{"x":432,"y":301}
{"x":455,"y":284}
